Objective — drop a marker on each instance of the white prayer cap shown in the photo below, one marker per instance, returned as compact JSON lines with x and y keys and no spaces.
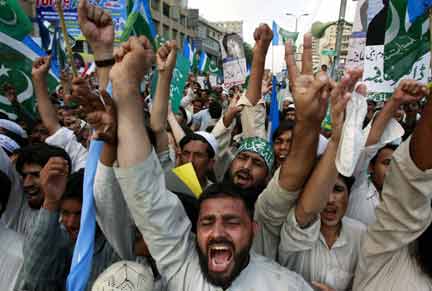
{"x":14,"y":127}
{"x":210,"y":138}
{"x":125,"y":276}
{"x":8,"y":144}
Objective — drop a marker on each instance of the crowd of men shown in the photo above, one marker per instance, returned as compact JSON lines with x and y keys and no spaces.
{"x":278,"y":215}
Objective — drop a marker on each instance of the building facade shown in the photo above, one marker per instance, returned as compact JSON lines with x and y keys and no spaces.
{"x":322,"y":47}
{"x":230,"y":26}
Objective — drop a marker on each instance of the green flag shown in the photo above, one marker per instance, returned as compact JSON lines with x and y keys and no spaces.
{"x":16,"y":60}
{"x":178,"y":82}
{"x":13,"y":20}
{"x":405,"y":43}
{"x":286,"y":35}
{"x":213,"y":68}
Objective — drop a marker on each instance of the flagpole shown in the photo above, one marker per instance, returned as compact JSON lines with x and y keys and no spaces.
{"x":66,"y":38}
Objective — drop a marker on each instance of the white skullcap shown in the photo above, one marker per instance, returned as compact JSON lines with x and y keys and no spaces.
{"x":125,"y":275}
{"x":14,"y":127}
{"x":8,"y":144}
{"x":210,"y":138}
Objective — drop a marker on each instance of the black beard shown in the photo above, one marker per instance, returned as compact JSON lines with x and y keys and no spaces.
{"x":252,"y":192}
{"x":241,"y":260}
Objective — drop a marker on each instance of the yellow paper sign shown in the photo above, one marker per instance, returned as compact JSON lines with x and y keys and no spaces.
{"x":187,"y":175}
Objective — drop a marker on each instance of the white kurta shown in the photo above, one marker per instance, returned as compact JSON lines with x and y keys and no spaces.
{"x":11,"y":257}
{"x":386,"y":261}
{"x":306,"y":252}
{"x":162,"y":220}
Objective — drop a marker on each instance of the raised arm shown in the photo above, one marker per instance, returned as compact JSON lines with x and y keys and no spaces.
{"x":98,"y":29}
{"x":158,"y":214}
{"x":166,"y":60}
{"x":45,"y":245}
{"x":401,"y":96}
{"x":274,"y":204}
{"x":310,"y":97}
{"x":422,"y":136}
{"x":404,"y":212}
{"x":46,"y":109}
{"x":319,"y":186}
{"x":263,"y":35}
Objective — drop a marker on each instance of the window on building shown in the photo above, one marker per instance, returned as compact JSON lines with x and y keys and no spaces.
{"x":166,"y":32}
{"x":155,"y":4}
{"x":166,"y":9}
{"x":174,"y":35}
{"x":183,"y":20}
{"x":156,"y":23}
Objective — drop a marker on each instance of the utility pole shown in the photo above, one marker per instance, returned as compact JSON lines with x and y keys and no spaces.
{"x":297,"y":17}
{"x":340,"y":29}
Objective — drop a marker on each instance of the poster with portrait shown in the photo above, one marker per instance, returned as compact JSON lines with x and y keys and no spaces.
{"x":233,"y":59}
{"x":47,"y":11}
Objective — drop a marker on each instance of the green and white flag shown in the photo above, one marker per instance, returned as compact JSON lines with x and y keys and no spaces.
{"x":213,"y":68}
{"x":139,"y":22}
{"x":13,"y":20}
{"x":17,"y":53}
{"x":204,"y":63}
{"x":406,"y":44}
{"x":16,"y":60}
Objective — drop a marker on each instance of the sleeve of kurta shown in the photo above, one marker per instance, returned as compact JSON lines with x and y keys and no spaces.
{"x":66,"y":139}
{"x":158,"y":214}
{"x":296,"y":239}
{"x":223,"y":137}
{"x":112,"y":213}
{"x":361,"y":205}
{"x":404,"y":212}
{"x":271,"y":211}
{"x":46,"y":261}
{"x":253,"y":118}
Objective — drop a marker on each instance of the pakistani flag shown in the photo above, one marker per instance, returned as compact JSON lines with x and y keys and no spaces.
{"x":406,"y":43}
{"x":213,"y":68}
{"x":17,"y":53}
{"x":140,"y":22}
{"x":281,"y":36}
{"x":13,"y":20}
{"x":16,"y":60}
{"x":204,"y":63}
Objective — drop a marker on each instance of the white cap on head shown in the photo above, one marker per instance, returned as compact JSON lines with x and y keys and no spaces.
{"x":210,"y":138}
{"x":8,"y":144}
{"x":14,"y":127}
{"x":125,"y":275}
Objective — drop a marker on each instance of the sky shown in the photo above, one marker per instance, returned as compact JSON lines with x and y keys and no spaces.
{"x":254,"y":12}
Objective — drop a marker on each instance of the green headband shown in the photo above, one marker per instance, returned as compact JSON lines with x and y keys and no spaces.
{"x":259,"y":146}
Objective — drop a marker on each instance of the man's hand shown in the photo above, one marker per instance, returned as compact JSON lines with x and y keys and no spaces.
{"x":339,"y":98}
{"x":53,"y":181}
{"x":409,"y":91}
{"x":104,"y":122}
{"x":10,"y":93}
{"x":98,"y":29}
{"x":166,"y":58}
{"x":263,"y":36}
{"x":232,"y":111}
{"x":40,"y":68}
{"x":322,"y":287}
{"x":310,"y":93}
{"x":267,"y":84}
{"x":133,"y":59}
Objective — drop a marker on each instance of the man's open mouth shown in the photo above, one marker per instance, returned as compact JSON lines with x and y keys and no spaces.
{"x":220,"y":257}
